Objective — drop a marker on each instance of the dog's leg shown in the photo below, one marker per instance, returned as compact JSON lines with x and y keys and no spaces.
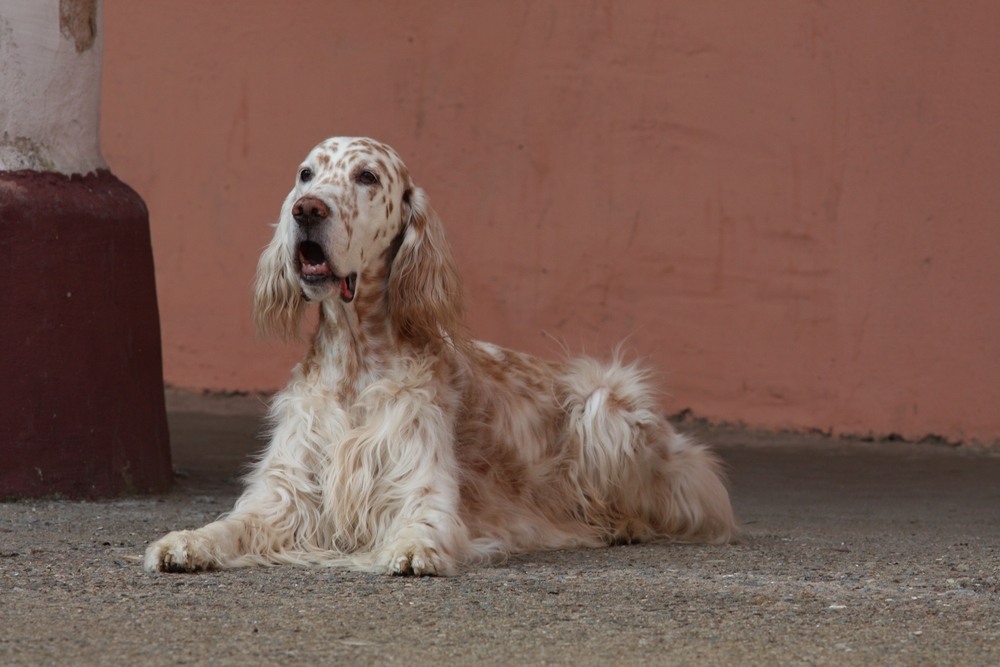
{"x":424,"y":535}
{"x":278,"y":516}
{"x":428,"y":536}
{"x":266,"y":525}
{"x":692,"y":499}
{"x":217,"y":545}
{"x":652,"y":482}
{"x":425,"y":544}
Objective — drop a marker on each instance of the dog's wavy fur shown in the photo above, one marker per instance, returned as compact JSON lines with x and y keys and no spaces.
{"x":403,"y":446}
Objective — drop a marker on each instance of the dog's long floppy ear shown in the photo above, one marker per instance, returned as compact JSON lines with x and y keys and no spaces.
{"x":278,"y":303}
{"x":425,"y":290}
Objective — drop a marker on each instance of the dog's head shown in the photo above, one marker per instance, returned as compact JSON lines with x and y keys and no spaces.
{"x":352,"y":224}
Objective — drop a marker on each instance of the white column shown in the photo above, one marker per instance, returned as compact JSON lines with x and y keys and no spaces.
{"x":50,"y":85}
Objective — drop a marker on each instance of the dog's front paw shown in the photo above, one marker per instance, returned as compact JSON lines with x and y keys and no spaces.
{"x":406,"y":557}
{"x":180,"y":551}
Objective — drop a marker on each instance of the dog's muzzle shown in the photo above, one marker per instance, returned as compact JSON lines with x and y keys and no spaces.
{"x":314,"y":269}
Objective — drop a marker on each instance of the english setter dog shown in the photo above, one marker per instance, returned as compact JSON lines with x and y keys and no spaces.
{"x":401,"y":445}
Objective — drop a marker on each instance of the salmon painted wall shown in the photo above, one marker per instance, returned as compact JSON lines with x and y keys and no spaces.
{"x":793,"y":210}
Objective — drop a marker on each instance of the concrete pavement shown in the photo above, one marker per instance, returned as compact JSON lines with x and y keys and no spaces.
{"x":867,"y":553}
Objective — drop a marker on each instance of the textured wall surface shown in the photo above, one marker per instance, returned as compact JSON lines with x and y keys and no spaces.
{"x":791,"y":209}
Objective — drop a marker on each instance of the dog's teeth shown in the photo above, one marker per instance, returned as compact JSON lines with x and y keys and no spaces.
{"x":315,"y":269}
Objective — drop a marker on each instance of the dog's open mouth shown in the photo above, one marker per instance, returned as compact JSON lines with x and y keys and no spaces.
{"x":314,"y":269}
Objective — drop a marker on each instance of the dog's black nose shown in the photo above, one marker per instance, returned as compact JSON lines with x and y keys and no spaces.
{"x":309,"y":210}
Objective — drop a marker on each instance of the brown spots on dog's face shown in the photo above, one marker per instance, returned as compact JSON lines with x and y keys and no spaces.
{"x":362,"y":182}
{"x":349,"y":228}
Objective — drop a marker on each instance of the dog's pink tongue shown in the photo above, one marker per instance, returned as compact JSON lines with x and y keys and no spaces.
{"x":346,"y":293}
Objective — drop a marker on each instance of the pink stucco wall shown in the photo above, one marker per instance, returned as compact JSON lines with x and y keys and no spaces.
{"x":792,"y":209}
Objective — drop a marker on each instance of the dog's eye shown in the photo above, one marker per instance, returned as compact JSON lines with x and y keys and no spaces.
{"x":306,"y":174}
{"x":367,"y":178}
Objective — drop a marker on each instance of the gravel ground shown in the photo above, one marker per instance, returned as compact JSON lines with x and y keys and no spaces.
{"x":854,"y":553}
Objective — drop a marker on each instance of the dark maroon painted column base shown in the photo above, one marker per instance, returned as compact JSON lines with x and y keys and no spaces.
{"x":81,"y":377}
